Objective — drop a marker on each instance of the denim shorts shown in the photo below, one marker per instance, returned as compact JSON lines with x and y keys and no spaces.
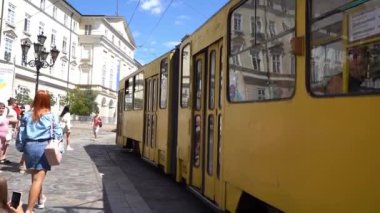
{"x":34,"y":153}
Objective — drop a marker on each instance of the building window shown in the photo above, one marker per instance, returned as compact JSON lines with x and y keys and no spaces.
{"x":256,"y":60}
{"x":258,"y":25}
{"x":53,"y":36}
{"x":253,"y":25}
{"x":104,"y":73}
{"x":11,"y":14}
{"x":24,"y":60}
{"x":276,"y":63}
{"x":261,"y":94}
{"x":54,"y":12}
{"x":73,"y":50}
{"x":270,"y":4}
{"x":111,"y":79}
{"x":65,"y":19}
{"x":42,"y":5}
{"x":74,"y":25}
{"x":41,"y":28}
{"x":63,"y":68}
{"x":87,"y":29}
{"x":272,"y":28}
{"x":27,"y":23}
{"x":237,"y":22}
{"x":8,"y":49}
{"x":113,"y":39}
{"x":64,"y":44}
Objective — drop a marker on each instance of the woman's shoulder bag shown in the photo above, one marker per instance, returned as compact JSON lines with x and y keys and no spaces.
{"x":55,"y":148}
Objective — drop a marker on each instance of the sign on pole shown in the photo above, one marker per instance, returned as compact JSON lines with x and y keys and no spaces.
{"x":6,"y":82}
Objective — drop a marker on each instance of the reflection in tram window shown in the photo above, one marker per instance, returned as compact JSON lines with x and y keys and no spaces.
{"x":164,"y":83}
{"x":128,"y":94}
{"x":138,"y":96}
{"x":219,"y":153}
{"x":345,"y":63}
{"x":198,"y":85}
{"x":211,"y":101}
{"x":185,"y":80}
{"x":220,"y":77}
{"x":261,"y":66}
{"x":210,"y":144}
{"x":197,"y":142}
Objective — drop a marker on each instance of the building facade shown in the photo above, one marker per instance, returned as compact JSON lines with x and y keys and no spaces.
{"x":95,"y":50}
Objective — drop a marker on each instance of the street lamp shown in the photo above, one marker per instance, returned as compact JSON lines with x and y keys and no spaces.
{"x":40,"y":55}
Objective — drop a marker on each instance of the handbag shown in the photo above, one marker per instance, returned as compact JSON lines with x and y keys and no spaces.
{"x":9,"y":135}
{"x":55,"y":148}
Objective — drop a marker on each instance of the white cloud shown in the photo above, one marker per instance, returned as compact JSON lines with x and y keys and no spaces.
{"x":171,"y":44}
{"x":153,"y":6}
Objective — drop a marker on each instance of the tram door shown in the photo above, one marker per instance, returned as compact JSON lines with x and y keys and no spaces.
{"x":198,"y":122}
{"x":150,"y":117}
{"x":206,"y":121}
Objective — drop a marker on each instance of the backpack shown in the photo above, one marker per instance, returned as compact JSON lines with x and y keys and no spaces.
{"x":100,"y":122}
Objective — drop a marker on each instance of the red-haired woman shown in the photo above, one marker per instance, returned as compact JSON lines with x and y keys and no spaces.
{"x":35,"y":133}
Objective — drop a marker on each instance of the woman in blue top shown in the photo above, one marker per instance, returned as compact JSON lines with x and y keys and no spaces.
{"x":35,"y":133}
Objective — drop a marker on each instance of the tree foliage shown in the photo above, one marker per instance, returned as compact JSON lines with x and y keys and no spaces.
{"x":22,"y":96}
{"x":52,"y":99}
{"x":82,"y":102}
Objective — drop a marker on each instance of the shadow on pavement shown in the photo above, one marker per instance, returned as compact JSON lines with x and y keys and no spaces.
{"x":159,"y":191}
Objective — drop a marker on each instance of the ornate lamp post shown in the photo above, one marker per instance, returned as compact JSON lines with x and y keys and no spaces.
{"x":40,"y":55}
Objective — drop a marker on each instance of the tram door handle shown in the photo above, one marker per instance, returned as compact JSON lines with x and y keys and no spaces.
{"x":190,"y":126}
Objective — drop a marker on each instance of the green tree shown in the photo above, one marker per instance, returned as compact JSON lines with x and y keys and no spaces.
{"x":23,"y":97}
{"x":52,"y":99}
{"x":82,"y":102}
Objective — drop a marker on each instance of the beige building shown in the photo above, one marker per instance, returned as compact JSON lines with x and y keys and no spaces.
{"x":95,"y":50}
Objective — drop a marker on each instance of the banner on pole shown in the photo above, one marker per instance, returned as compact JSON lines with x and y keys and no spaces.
{"x":6,"y":81}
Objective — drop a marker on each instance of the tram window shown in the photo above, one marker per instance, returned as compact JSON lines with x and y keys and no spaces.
{"x":198,"y":85}
{"x":220,"y":76}
{"x":164,"y":83}
{"x":211,"y":96}
{"x":344,"y":48}
{"x":139,"y":92}
{"x":128,"y":94}
{"x":218,"y":159}
{"x":260,"y":56}
{"x":185,"y":78}
{"x":197,"y":142}
{"x":210,"y":144}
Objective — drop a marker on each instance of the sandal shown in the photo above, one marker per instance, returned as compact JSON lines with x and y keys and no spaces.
{"x":22,"y":169}
{"x":5,"y":161}
{"x":41,"y":202}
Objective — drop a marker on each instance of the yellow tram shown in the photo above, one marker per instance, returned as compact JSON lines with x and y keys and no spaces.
{"x":271,"y":106}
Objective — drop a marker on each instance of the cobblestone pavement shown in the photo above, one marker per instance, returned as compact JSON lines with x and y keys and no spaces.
{"x":75,"y":185}
{"x":98,"y":176}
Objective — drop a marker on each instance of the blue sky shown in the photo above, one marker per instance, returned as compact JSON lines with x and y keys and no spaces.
{"x":157,"y":25}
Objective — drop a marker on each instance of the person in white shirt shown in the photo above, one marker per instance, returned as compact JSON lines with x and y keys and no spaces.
{"x":11,"y":115}
{"x":65,"y":123}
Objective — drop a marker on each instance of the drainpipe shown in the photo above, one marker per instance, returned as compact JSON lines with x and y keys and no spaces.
{"x":70,"y":47}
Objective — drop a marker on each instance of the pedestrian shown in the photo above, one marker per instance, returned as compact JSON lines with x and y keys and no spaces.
{"x":35,"y":133}
{"x":4,"y":126}
{"x":22,"y":168}
{"x":11,"y":115}
{"x":5,"y":206}
{"x":96,"y":123}
{"x":65,"y":123}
